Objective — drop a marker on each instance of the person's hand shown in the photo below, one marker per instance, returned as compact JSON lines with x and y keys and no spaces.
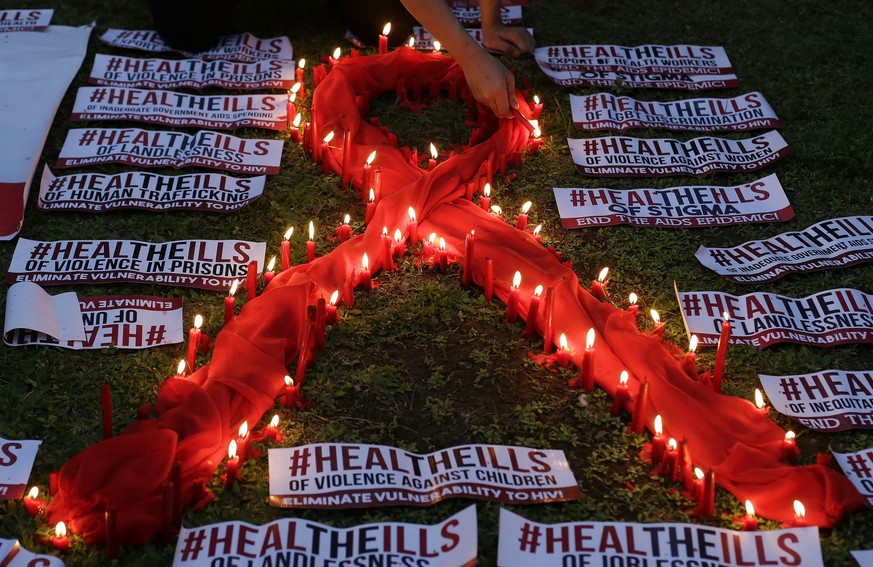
{"x":508,"y":40}
{"x":491,"y":84}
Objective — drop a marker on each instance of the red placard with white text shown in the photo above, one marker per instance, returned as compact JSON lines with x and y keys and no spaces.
{"x":827,"y":318}
{"x":117,"y":71}
{"x":150,"y":148}
{"x":605,"y":111}
{"x":859,"y":468}
{"x":827,"y":401}
{"x":226,"y":112}
{"x":523,"y":543}
{"x":304,"y":543}
{"x":24,"y":20}
{"x":16,"y":462}
{"x":763,"y":200}
{"x":238,"y":47}
{"x":622,"y":156}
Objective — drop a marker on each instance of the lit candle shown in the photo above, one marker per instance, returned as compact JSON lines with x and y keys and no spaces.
{"x":521,"y":222}
{"x":366,"y":176}
{"x":429,"y":247}
{"x":410,"y":43}
{"x":180,"y":369}
{"x":270,"y":273}
{"x":536,"y":233}
{"x":532,"y":311}
{"x":292,"y":392}
{"x":431,"y":163}
{"x":286,"y":249}
{"x":252,"y":280}
{"x":383,"y":39}
{"x":706,"y":502}
{"x":621,"y":394}
{"x":668,"y":465}
{"x":598,"y":286}
{"x":585,"y":379}
{"x":325,"y":153}
{"x":497,"y":211}
{"x":377,"y":183}
{"x":437,"y":46}
{"x":330,"y":313}
{"x":229,"y":303}
{"x":537,"y":109}
{"x":344,"y":230}
{"x":721,"y":354}
{"x":334,"y":58}
{"x":638,"y":419}
{"x":799,"y":514}
{"x":759,"y":402}
{"x":533,"y":145}
{"x":299,"y":73}
{"x":371,"y":207}
{"x":632,"y":306}
{"x":659,"y":442}
{"x":33,"y":503}
{"x":60,"y":541}
{"x":696,"y":492}
{"x":387,"y":250}
{"x":346,"y":178}
{"x":412,"y":226}
{"x":469,"y":249}
{"x":365,"y":272}
{"x":232,"y":472}
{"x":488,"y":288}
{"x":291,"y":107}
{"x":563,"y":355}
{"x":399,"y":246}
{"x":789,"y":451}
{"x":749,"y":521}
{"x":512,"y":302}
{"x":272,"y":429}
{"x":658,"y":329}
{"x":194,"y":341}
{"x":242,"y":445}
{"x":310,"y":244}
{"x":443,"y":256}
{"x":485,"y":198}
{"x":307,"y":138}
{"x":295,"y":128}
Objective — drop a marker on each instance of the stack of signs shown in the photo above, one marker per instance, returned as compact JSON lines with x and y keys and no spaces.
{"x":16,"y":462}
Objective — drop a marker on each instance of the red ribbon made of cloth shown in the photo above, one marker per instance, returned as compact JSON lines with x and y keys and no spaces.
{"x":199,"y":415}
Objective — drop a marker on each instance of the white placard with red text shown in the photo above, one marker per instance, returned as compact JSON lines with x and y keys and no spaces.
{"x":827,"y":318}
{"x":623,"y":156}
{"x":864,"y":557}
{"x":637,"y":60}
{"x":834,"y":243}
{"x":424,"y":39}
{"x":340,"y":475}
{"x":7,"y":546}
{"x":523,"y":543}
{"x":121,"y":321}
{"x":238,"y":47}
{"x":204,"y":264}
{"x":304,"y":543}
{"x":24,"y":20}
{"x":227,"y":112}
{"x":509,"y":15}
{"x":673,"y":81}
{"x":830,"y":400}
{"x":859,"y":468}
{"x":96,"y":192}
{"x":28,"y":306}
{"x":151,"y":148}
{"x":20,"y":556}
{"x":763,"y":200}
{"x":117,"y":71}
{"x":16,"y":462}
{"x":605,"y":111}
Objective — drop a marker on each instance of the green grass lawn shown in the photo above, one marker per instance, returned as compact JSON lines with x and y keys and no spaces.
{"x":423,"y":364}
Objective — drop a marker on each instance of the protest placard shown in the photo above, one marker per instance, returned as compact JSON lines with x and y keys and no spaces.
{"x":225,"y":112}
{"x":97,"y":192}
{"x":16,"y":462}
{"x":827,"y":318}
{"x":150,"y":148}
{"x":636,"y":60}
{"x":117,"y":71}
{"x":834,"y":243}
{"x":20,"y":556}
{"x":606,"y":111}
{"x":304,"y":543}
{"x":237,"y":47}
{"x":858,"y":467}
{"x":509,"y":15}
{"x":672,"y":81}
{"x":622,"y":156}
{"x":25,"y":20}
{"x":763,"y":200}
{"x":523,"y":543}
{"x":423,"y":39}
{"x":341,"y":475}
{"x":204,"y":264}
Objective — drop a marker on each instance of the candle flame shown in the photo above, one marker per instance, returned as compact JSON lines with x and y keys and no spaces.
{"x":538,"y":290}
{"x":233,"y":288}
{"x":289,"y":381}
{"x":672,"y":445}
{"x":387,"y":29}
{"x":759,"y":399}
{"x":244,"y":429}
{"x":333,"y":297}
{"x":275,"y":421}
{"x":622,"y":379}
{"x":698,"y":473}
{"x":601,"y":277}
{"x":536,"y":99}
{"x":632,"y":298}
{"x":180,"y":368}
{"x":562,"y":342}
{"x":347,"y":219}
{"x":301,"y":64}
{"x":655,"y":317}
{"x":442,"y":244}
{"x":198,"y":321}
{"x":372,"y":198}
{"x":295,"y":88}
{"x":726,"y":315}
{"x":60,"y":529}
{"x":437,"y":46}
{"x":659,"y":425}
{"x":311,"y":230}
{"x":750,"y":509}
{"x":384,"y":231}
{"x":692,"y":343}
{"x":271,"y":264}
{"x":496,"y":210}
{"x":328,"y":138}
{"x":288,"y":234}
{"x":411,"y":42}
{"x":487,"y":190}
{"x":789,"y":436}
{"x":799,"y":510}
{"x":365,"y":262}
{"x":526,"y":207}
{"x":34,"y":492}
{"x":292,"y":97}
{"x":516,"y":280}
{"x":371,"y":157}
{"x":433,"y":151}
{"x":337,"y":52}
{"x":536,"y":133}
{"x":398,"y":236}
{"x":589,"y":339}
{"x":231,"y":449}
{"x":536,"y":231}
{"x":432,"y":238}
{"x":296,"y":121}
{"x":411,"y":213}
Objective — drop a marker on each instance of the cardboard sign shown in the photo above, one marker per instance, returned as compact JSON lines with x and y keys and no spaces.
{"x":605,"y":111}
{"x":20,"y":556}
{"x":25,"y":20}
{"x":170,"y":108}
{"x":509,"y":15}
{"x":238,"y":47}
{"x":621,"y":156}
{"x":834,"y":243}
{"x":115,"y":71}
{"x":827,"y":318}
{"x":150,"y":148}
{"x":295,"y":541}
{"x":204,"y":264}
{"x":424,"y":39}
{"x":16,"y":461}
{"x":638,"y":60}
{"x":523,"y":543}
{"x":96,"y":192}
{"x":830,"y":400}
{"x":675,"y":207}
{"x":859,"y":468}
{"x":339,"y":475}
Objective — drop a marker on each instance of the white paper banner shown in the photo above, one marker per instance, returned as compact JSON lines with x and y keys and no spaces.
{"x":204,"y":264}
{"x":25,"y":20}
{"x":304,"y":543}
{"x":239,"y":47}
{"x":834,"y":243}
{"x":338,"y":475}
{"x":638,"y":60}
{"x":115,"y":71}
{"x":96,"y":192}
{"x":675,"y":207}
{"x":622,"y":156}
{"x":16,"y":461}
{"x":605,"y":111}
{"x":523,"y":543}
{"x":510,"y":15}
{"x":827,"y":318}
{"x":20,"y":556}
{"x":150,"y":148}
{"x":859,"y":468}
{"x":830,"y":400}
{"x":28,"y":306}
{"x":121,"y":321}
{"x":170,"y":108}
